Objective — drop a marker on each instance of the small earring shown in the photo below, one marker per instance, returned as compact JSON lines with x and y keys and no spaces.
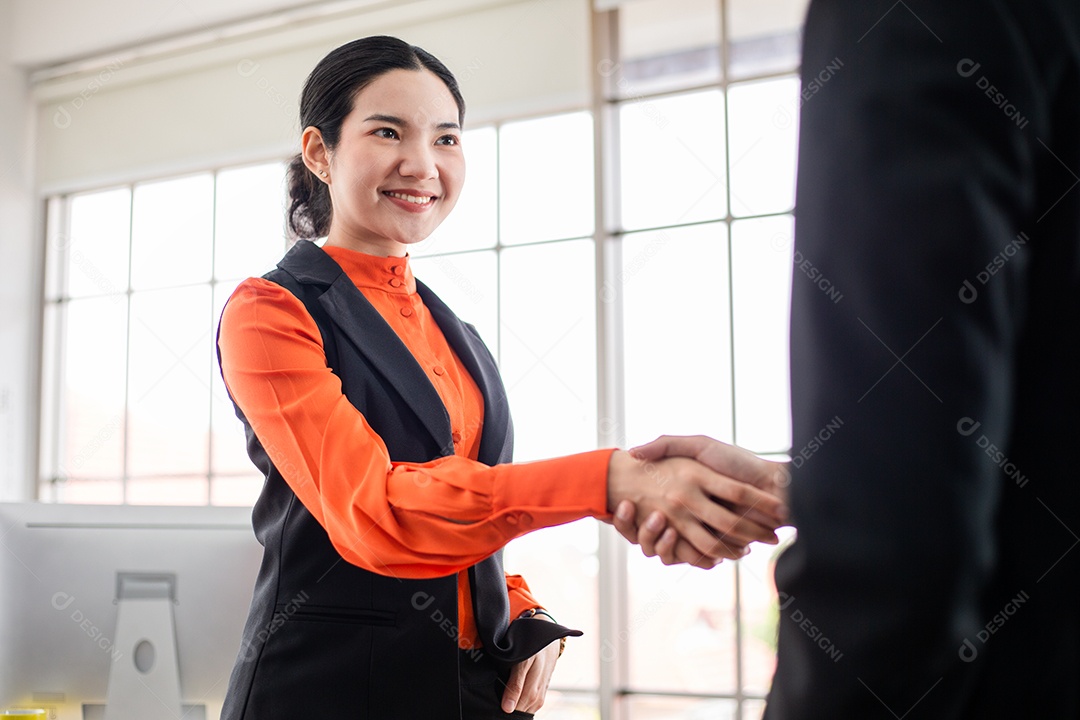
{"x":322,"y":173}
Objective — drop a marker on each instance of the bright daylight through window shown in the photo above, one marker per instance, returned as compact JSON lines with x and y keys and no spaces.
{"x":694,"y":124}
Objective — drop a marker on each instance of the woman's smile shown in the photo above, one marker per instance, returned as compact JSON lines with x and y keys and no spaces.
{"x":411,"y":202}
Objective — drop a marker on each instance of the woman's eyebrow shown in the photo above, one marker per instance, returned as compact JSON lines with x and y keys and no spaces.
{"x":400,"y":122}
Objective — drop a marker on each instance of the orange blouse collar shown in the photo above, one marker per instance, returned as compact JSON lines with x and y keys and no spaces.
{"x":390,"y":274}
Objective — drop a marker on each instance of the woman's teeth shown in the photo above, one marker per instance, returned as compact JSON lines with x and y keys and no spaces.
{"x":415,"y":199}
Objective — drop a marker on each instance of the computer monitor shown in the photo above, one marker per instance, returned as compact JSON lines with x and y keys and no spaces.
{"x":113,"y":604}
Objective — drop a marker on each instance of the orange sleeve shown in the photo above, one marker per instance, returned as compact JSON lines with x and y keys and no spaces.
{"x":521,"y":597}
{"x":413,"y":520}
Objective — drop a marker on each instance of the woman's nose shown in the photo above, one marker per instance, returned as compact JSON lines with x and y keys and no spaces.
{"x":418,"y":160}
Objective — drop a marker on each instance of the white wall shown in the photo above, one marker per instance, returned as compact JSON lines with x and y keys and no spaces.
{"x":137,"y":114}
{"x":19,"y":291}
{"x":237,"y":101}
{"x":52,"y":31}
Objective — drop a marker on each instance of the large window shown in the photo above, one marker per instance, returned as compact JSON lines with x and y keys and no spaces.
{"x":697,"y":105}
{"x":628,"y":264}
{"x":133,"y":407}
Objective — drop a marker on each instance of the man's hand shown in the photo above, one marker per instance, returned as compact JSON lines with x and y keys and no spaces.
{"x":729,"y":460}
{"x":529,"y":679}
{"x":705,"y":508}
{"x":658,"y":537}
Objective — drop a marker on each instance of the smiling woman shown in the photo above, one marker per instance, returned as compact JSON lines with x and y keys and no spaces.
{"x":399,"y":149}
{"x":381,"y":425}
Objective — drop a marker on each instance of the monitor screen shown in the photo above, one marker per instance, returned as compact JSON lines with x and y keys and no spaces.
{"x":181,"y":577}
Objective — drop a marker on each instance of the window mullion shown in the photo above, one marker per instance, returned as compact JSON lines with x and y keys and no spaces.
{"x":611,"y":413}
{"x":124,"y":460}
{"x":725,"y":71}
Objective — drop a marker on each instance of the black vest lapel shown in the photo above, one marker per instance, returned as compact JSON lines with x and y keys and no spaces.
{"x":497,"y":436}
{"x":371,"y":336}
{"x":504,"y":638}
{"x":357,"y":321}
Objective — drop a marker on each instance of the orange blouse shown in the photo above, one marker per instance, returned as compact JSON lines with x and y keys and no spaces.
{"x":414,"y":520}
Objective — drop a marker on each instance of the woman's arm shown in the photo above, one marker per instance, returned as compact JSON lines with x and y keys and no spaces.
{"x":436,"y":518}
{"x":406,"y":519}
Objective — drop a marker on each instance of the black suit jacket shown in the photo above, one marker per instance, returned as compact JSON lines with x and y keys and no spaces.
{"x":935,"y":392}
{"x":325,"y":637}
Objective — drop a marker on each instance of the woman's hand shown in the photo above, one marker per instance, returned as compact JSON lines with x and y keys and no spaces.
{"x":529,"y":679}
{"x":655,"y":531}
{"x":708,"y":509}
{"x":658,"y":540}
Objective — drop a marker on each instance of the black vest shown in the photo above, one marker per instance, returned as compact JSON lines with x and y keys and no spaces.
{"x":327,"y":638}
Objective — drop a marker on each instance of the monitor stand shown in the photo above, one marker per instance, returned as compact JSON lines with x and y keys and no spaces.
{"x":144,"y":681}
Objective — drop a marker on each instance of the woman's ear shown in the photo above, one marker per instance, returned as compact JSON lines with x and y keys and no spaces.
{"x":314,"y":151}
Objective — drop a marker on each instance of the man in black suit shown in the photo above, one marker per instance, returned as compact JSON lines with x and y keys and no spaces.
{"x":935,"y":387}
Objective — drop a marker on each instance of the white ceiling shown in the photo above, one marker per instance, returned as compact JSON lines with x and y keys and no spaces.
{"x":50,"y":32}
{"x":54,"y":32}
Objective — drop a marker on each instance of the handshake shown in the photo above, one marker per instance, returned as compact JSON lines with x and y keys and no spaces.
{"x":696,"y":500}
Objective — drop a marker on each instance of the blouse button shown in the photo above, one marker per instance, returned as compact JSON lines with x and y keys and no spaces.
{"x":397,"y":270}
{"x":456,"y":435}
{"x":406,"y":311}
{"x":438,"y":369}
{"x":395,"y":282}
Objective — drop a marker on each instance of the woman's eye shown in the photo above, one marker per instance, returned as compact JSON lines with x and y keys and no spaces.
{"x":448,"y":140}
{"x":388,"y":133}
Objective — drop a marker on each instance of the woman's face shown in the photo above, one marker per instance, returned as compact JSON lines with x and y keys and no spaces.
{"x":398,"y":168}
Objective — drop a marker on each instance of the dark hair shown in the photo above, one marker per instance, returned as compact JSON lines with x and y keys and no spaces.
{"x":327,"y":99}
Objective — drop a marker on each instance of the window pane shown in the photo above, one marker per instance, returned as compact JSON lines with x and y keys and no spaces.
{"x":688,"y":612}
{"x":228,"y":441}
{"x":570,"y":706}
{"x":672,"y":160}
{"x":235,"y":489}
{"x":172,"y":229}
{"x":473,"y":222}
{"x":561,"y":566}
{"x":546,"y":178}
{"x":665,"y":708}
{"x":468,"y":284}
{"x":97,"y":247}
{"x":93,"y":398}
{"x":665,"y":44}
{"x":169,"y":402}
{"x":94,"y":492}
{"x":183,"y":490}
{"x":249,"y":235}
{"x":753,"y":709}
{"x":765,"y":35}
{"x":677,"y":352}
{"x":548,"y":341}
{"x":763,"y":146}
{"x":759,"y":612}
{"x":761,"y":277}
